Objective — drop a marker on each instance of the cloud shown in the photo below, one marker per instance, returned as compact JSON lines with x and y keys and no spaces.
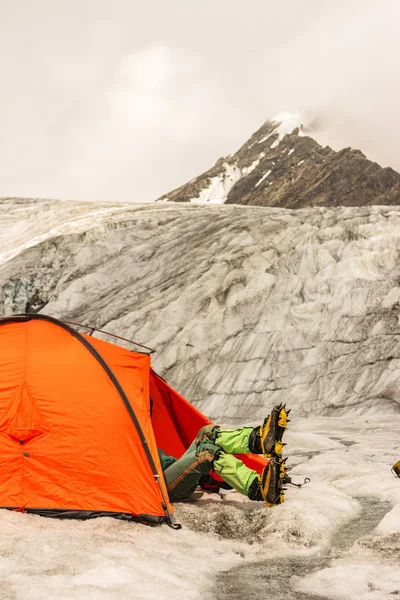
{"x":122,"y":104}
{"x":160,"y":90}
{"x":340,"y":75}
{"x":141,"y":94}
{"x":150,"y":67}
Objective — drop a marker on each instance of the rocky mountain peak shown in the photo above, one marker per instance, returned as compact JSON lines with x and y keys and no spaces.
{"x":281,"y":165}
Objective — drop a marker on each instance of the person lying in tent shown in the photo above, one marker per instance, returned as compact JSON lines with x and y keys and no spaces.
{"x":213,"y":450}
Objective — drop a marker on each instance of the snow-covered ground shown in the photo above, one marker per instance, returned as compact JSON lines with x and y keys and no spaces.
{"x":224,"y":541}
{"x":247,"y":307}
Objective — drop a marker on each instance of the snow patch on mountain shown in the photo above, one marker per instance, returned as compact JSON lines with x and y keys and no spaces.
{"x":288,"y":122}
{"x":220,"y":186}
{"x":247,"y":170}
{"x":265,"y":138}
{"x":263,"y":177}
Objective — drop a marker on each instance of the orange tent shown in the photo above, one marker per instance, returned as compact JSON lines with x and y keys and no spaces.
{"x":77,"y":438}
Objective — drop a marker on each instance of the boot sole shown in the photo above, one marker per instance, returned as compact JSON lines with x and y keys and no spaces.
{"x":272,"y":487}
{"x":274,"y":447}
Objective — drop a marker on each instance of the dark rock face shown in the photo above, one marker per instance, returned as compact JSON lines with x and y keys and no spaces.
{"x":292,"y":171}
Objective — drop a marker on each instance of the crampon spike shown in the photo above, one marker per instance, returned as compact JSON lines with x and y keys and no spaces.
{"x":299,"y":485}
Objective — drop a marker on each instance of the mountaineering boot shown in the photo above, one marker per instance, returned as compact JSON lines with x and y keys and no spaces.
{"x":267,"y":438}
{"x":268,"y":485}
{"x":396,"y":469}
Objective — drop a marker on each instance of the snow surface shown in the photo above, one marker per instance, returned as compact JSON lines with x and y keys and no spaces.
{"x":288,"y":122}
{"x":220,"y":186}
{"x":247,"y":307}
{"x":106,"y":559}
{"x":18,"y":228}
{"x":266,"y":137}
{"x":263,"y":177}
{"x":254,"y":164}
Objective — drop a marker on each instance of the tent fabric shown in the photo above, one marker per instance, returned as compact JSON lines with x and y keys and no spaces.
{"x":78,"y":436}
{"x":175,"y":421}
{"x":67,"y":440}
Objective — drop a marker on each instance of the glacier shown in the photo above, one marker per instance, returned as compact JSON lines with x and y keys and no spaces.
{"x":246,"y":307}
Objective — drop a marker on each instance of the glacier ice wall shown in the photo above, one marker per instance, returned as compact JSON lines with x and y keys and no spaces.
{"x":246,"y":306}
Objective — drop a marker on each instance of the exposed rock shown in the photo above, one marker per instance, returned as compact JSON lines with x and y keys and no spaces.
{"x":281,"y":166}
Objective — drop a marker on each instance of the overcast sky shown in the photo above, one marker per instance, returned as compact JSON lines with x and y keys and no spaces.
{"x":121,"y":100}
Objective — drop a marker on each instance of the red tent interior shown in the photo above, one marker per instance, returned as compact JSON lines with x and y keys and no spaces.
{"x":176,"y":422}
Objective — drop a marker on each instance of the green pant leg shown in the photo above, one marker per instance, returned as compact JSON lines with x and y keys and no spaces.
{"x":233,"y":441}
{"x":234,"y":472}
{"x":192,"y":448}
{"x":182,"y":477}
{"x":228,"y":467}
{"x":207,"y":434}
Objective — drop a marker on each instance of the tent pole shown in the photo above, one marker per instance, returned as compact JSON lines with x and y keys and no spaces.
{"x":118,"y":337}
{"x":165,"y":505}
